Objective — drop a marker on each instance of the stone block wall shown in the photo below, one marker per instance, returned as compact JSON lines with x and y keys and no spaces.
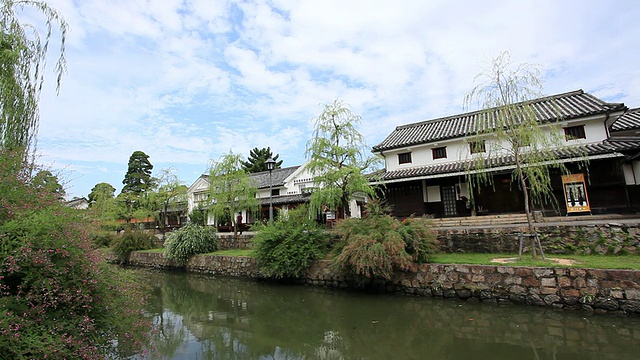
{"x":230,"y":242}
{"x":586,"y":239}
{"x":616,"y":291}
{"x":589,"y":239}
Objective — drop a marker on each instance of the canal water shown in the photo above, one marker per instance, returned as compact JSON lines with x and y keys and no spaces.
{"x":202,"y":317}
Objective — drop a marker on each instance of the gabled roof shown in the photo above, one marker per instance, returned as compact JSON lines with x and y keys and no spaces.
{"x":628,"y":121}
{"x":261,"y":179}
{"x":548,"y":109}
{"x":603,"y":149}
{"x":277,"y":177}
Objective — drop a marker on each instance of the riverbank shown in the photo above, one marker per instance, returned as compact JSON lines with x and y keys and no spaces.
{"x":596,"y":290}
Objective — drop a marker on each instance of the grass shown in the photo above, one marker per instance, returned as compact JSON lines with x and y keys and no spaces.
{"x":157,"y":250}
{"x":233,"y":252}
{"x":631,"y":262}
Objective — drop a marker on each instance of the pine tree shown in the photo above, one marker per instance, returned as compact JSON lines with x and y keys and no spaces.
{"x":257,"y":160}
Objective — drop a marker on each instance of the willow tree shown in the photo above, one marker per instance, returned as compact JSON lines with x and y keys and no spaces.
{"x":231,"y":189}
{"x":23,"y":52}
{"x":508,"y":128}
{"x":170,"y":195}
{"x":338,"y":159}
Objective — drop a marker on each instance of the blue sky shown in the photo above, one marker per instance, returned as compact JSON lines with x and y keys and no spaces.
{"x":188,"y":80}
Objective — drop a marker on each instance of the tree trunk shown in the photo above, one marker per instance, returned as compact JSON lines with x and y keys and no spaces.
{"x":527,"y":210}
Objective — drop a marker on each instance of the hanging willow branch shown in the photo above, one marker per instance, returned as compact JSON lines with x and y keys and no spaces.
{"x":508,"y":132}
{"x":23,"y":51}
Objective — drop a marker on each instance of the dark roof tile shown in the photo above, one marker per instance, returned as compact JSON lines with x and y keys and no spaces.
{"x":605,"y":147}
{"x":628,"y":121}
{"x":551,"y":108}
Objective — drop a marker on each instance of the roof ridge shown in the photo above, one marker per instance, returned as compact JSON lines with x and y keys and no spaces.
{"x":470,"y":113}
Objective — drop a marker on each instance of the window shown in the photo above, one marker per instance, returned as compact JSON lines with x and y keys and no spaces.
{"x":477,"y":147}
{"x":404,"y":158}
{"x":439,"y":152}
{"x":275,"y":192}
{"x":202,"y":196}
{"x":574,"y":132}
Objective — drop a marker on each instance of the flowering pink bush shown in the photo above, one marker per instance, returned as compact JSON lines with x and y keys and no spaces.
{"x":58,"y":299}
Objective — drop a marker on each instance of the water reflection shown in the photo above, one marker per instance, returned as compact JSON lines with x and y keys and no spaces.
{"x":208,"y":318}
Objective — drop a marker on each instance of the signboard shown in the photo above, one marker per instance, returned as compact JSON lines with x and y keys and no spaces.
{"x":575,"y":193}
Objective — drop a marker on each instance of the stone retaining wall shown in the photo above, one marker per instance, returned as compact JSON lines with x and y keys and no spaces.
{"x":601,"y":239}
{"x":228,"y":241}
{"x":616,"y":291}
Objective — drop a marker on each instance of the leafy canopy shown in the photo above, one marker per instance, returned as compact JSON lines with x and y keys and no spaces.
{"x":48,"y":182}
{"x":171,"y":192}
{"x":257,"y":160}
{"x":138,"y":178}
{"x":231,"y":188}
{"x":23,"y":52}
{"x":338,"y":157}
{"x":101,"y":192}
{"x":508,"y":126}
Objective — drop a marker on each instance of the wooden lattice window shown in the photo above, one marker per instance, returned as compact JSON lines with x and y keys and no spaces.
{"x":404,"y":158}
{"x":439,"y":152}
{"x":574,"y":132}
{"x":477,"y":147}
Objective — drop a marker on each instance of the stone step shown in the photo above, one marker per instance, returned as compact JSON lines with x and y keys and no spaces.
{"x":481,"y":220}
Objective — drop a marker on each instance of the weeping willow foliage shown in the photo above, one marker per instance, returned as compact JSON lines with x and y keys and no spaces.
{"x":231,"y":189}
{"x":23,"y":51}
{"x":338,"y":159}
{"x":508,"y":130}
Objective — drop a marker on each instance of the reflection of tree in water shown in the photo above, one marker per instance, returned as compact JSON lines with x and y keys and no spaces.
{"x":233,"y":319}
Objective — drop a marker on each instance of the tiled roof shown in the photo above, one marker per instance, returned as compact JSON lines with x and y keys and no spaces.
{"x":551,"y":108}
{"x":262,"y":178}
{"x":614,"y":148}
{"x":286,"y":199}
{"x":628,"y":121}
{"x":277,"y":177}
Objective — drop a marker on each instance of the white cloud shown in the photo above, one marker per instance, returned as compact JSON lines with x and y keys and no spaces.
{"x":186,"y":81}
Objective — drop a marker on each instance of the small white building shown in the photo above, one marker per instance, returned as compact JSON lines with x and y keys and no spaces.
{"x":80,"y":203}
{"x":288,"y":188}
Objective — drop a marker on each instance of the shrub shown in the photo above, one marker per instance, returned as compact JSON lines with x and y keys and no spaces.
{"x":58,"y":298}
{"x":131,"y":240}
{"x":377,"y":245}
{"x":287,"y":247}
{"x":191,"y":239}
{"x":103,"y":239}
{"x":198,"y":216}
{"x":420,"y":241}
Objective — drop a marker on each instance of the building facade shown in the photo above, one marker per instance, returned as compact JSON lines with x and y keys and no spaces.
{"x":283,"y":189}
{"x":427,"y":163}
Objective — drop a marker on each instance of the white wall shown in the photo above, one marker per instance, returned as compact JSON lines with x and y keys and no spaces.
{"x":458,"y":149}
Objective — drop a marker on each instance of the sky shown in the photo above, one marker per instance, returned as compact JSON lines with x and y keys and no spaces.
{"x":186,"y":81}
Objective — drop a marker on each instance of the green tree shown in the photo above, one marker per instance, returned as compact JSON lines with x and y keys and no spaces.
{"x":338,"y":158}
{"x":257,"y":160}
{"x":198,"y":216}
{"x":47,"y":182}
{"x":100,"y":192}
{"x":134,"y":201}
{"x":231,"y":189}
{"x":102,"y":204}
{"x":171,"y":194}
{"x":508,"y":126}
{"x":23,"y":52}
{"x":138,"y":178}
